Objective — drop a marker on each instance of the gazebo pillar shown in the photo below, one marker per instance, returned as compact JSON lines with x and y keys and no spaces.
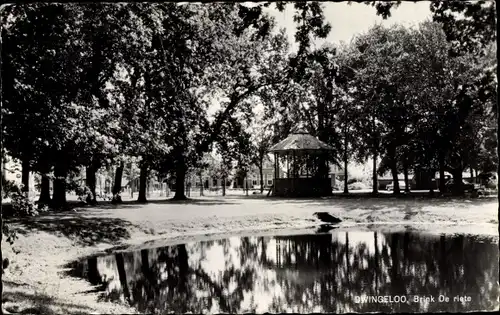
{"x":307,"y":165}
{"x":287,"y":166}
{"x":327,"y":165}
{"x":276,"y":168}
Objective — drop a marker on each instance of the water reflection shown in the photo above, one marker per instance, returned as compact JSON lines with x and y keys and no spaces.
{"x":303,"y":274}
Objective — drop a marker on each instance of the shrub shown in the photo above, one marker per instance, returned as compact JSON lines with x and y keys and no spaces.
{"x":358,"y":186}
{"x":117,"y":198}
{"x":84,"y":193}
{"x":23,"y":206}
{"x":354,"y":180}
{"x":105,"y":196}
{"x":8,"y":186}
{"x":10,"y":235}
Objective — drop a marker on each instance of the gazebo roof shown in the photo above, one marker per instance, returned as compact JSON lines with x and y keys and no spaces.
{"x":300,"y":141}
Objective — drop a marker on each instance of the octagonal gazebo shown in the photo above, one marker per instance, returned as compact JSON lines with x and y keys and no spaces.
{"x":306,"y":160}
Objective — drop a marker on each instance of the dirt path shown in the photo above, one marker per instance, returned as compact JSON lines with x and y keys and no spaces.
{"x":35,"y":281}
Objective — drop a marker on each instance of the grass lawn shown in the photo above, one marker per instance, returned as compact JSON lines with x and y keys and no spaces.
{"x":36,"y":281}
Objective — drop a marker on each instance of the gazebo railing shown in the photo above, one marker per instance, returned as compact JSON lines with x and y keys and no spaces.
{"x":302,"y":187}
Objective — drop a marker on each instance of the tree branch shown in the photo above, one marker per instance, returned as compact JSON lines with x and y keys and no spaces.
{"x":219,"y":121}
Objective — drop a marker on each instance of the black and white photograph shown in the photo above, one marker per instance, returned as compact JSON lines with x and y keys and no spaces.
{"x":234,"y":157}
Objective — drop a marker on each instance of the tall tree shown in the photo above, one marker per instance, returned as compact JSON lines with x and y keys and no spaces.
{"x":251,"y":26}
{"x":40,"y":72}
{"x":458,"y":102}
{"x":234,"y":68}
{"x":370,"y":79}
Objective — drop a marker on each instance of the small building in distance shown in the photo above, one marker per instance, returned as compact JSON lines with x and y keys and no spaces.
{"x":204,"y":177}
{"x":337,"y":176}
{"x":12,"y":171}
{"x":387,"y":179}
{"x":253,"y":176}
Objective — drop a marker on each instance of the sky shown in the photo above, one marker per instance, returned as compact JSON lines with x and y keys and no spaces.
{"x":348,"y":20}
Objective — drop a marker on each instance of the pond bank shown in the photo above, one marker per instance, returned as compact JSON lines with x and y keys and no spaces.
{"x":35,"y":281}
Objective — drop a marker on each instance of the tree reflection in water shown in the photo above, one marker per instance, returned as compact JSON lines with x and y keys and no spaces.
{"x":303,"y":273}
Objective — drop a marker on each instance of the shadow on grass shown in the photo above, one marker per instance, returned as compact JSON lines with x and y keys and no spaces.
{"x":73,"y":206}
{"x":380,"y":201}
{"x":18,"y":302}
{"x":197,"y":202}
{"x":353,"y":201}
{"x":85,"y":230}
{"x":134,"y":203}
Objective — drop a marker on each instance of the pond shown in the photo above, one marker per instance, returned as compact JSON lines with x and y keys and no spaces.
{"x":332,"y":272}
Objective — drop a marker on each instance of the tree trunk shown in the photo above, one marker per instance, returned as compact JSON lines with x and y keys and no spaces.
{"x":394,"y":172}
{"x":458,"y":188}
{"x":59,"y":195}
{"x":90,"y":181}
{"x":4,"y":169}
{"x":143,"y":177}
{"x":261,"y":174}
{"x":375,"y":177}
{"x":346,"y":188}
{"x":117,"y":186}
{"x":394,"y":169}
{"x":472,"y":175}
{"x":132,"y":180}
{"x":246,"y":184}
{"x":201,"y":185}
{"x":407,"y":180}
{"x":44,"y":190}
{"x":346,"y":161}
{"x":25,"y":176}
{"x":322,"y":167}
{"x":442,"y":183}
{"x":180,"y":177}
{"x":431,"y":180}
{"x":1,"y":234}
{"x":224,"y":186}
{"x":375,"y":146}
